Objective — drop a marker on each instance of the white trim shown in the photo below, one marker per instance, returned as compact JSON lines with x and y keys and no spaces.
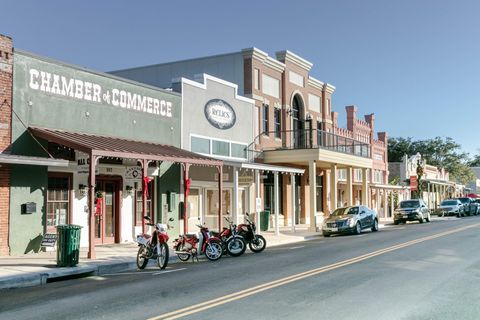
{"x":329,"y":88}
{"x":263,"y":167}
{"x":211,"y":139}
{"x":35,"y":161}
{"x":218,"y":80}
{"x":295,"y":59}
{"x":315,"y":83}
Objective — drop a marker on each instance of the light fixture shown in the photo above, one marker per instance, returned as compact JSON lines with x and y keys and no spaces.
{"x":309,"y":116}
{"x":82,"y":188}
{"x":129,"y":189}
{"x":289,"y":111}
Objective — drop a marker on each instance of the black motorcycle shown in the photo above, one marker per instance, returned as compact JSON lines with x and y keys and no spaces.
{"x":248,"y":231}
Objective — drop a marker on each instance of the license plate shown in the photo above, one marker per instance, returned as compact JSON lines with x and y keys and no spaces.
{"x":333,"y":229}
{"x":405,"y":216}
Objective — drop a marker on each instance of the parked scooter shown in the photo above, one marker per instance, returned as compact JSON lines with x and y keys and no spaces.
{"x":154,"y":246}
{"x":232,"y":243}
{"x":248,"y":231}
{"x":189,"y":245}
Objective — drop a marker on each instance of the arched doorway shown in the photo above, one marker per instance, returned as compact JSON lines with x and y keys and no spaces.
{"x":298,"y":122}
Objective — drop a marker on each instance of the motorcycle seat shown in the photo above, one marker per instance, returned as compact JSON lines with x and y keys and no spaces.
{"x":190,"y":235}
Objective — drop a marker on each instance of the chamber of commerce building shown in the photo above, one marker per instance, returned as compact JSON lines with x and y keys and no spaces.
{"x":235,"y":133}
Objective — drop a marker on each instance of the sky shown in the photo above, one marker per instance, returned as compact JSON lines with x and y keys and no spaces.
{"x":415,"y":64}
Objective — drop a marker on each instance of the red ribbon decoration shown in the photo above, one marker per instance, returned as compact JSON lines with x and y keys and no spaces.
{"x":98,"y":207}
{"x":146,"y":181}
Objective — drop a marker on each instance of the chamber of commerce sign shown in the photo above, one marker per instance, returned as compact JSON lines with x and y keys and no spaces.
{"x":220,"y":114}
{"x":60,"y":85}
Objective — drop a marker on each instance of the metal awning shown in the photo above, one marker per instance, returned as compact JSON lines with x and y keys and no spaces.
{"x":35,"y":161}
{"x":106,"y":146}
{"x":263,"y":167}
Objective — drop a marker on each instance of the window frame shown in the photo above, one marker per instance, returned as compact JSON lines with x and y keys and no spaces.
{"x":265,"y":113}
{"x":70,"y":195}
{"x":277,"y":122}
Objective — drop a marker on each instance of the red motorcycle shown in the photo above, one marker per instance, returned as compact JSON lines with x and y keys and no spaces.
{"x":232,"y":243}
{"x":154,"y":246}
{"x":248,"y":231}
{"x":189,"y":245}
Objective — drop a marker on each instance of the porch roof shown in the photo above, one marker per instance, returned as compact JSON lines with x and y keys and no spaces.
{"x":106,"y":146}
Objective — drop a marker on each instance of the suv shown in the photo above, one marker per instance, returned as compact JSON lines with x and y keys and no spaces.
{"x":451,"y":207}
{"x":469,"y":207}
{"x":411,"y":210}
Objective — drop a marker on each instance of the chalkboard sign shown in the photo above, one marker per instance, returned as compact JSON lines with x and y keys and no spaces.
{"x":49,"y":240}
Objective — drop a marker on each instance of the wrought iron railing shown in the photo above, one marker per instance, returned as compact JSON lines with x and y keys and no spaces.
{"x":307,"y":139}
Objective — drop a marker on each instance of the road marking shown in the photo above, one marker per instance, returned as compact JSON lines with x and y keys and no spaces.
{"x":167,"y":271}
{"x":292,"y":248}
{"x":296,"y":277}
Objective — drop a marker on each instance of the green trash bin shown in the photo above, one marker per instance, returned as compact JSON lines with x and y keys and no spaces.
{"x":264,"y":217}
{"x":68,"y":247}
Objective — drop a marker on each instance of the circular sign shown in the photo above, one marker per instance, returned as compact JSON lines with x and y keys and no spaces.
{"x":220,"y":114}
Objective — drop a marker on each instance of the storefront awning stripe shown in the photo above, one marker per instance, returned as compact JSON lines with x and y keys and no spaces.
{"x":35,"y":161}
{"x":121,"y":148}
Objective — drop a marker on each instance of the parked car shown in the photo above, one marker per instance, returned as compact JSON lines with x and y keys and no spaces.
{"x":451,"y":207}
{"x":411,"y":210}
{"x":350,"y":220}
{"x":469,"y":207}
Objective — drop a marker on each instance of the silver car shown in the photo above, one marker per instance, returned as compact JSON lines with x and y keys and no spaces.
{"x":451,"y":207}
{"x":350,"y":220}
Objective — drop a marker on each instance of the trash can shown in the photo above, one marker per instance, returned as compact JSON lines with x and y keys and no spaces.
{"x":68,"y":247}
{"x":264,"y":217}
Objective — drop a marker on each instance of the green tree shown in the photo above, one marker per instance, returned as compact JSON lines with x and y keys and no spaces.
{"x":476,"y":160}
{"x":439,"y":152}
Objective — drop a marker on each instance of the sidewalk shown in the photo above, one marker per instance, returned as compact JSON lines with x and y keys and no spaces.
{"x":40,"y":268}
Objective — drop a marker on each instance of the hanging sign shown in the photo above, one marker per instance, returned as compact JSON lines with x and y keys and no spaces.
{"x":220,"y":114}
{"x":83,"y":164}
{"x":413,"y":183}
{"x":133,"y":174}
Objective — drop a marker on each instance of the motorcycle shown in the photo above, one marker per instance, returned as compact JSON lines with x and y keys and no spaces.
{"x":153,"y":246}
{"x":248,"y":231}
{"x":189,"y":245}
{"x":232,"y":243}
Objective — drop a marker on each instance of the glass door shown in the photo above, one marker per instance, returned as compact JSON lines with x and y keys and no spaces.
{"x":107,"y":211}
{"x":211,"y":212}
{"x":193,"y":208}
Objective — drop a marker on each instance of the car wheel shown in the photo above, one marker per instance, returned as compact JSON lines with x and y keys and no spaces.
{"x":375,"y":225}
{"x":358,"y":228}
{"x":326,"y":235}
{"x":396,"y":222}
{"x":421,"y":219}
{"x":428,"y":217}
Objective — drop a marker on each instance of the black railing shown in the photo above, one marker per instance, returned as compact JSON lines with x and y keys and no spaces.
{"x":308,"y":139}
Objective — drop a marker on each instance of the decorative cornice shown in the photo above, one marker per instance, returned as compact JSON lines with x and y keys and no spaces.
{"x":263,"y":57}
{"x":289,"y":56}
{"x":315,"y":83}
{"x":329,"y":88}
{"x":274,"y":64}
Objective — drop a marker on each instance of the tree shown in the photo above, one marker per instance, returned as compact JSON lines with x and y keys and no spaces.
{"x":476,"y":160}
{"x":439,"y":152}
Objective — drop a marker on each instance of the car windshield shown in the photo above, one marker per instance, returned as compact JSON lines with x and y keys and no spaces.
{"x":409,"y":204}
{"x":345,"y":211}
{"x":448,"y":203}
{"x":463,"y":200}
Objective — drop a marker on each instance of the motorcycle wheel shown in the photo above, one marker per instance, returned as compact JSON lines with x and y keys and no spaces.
{"x":258,"y":244}
{"x":141,"y":260}
{"x":236,"y":247}
{"x":182,"y":256}
{"x":213,"y":251}
{"x":162,"y":257}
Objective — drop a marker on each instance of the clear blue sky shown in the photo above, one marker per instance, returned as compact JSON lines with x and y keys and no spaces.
{"x":415,"y":64}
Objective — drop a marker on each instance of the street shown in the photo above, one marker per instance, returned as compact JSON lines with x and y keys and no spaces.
{"x":412,"y":271}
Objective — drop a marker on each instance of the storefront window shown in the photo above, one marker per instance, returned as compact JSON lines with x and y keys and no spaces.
{"x":139,"y":204}
{"x":265,"y":119}
{"x":58,"y":197}
{"x":200,"y":145}
{"x":220,"y":148}
{"x":277,"y":122}
{"x":239,"y":150}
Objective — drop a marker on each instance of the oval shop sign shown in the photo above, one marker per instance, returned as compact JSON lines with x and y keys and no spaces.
{"x":220,"y":114}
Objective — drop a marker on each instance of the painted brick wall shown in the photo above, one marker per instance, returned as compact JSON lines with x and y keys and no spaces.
{"x":6,"y":67}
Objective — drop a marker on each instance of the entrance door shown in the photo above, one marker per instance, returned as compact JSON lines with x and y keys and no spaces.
{"x":194,"y":204}
{"x":107,"y":226}
{"x":211,"y":213}
{"x":298,"y":125}
{"x":298,"y":201}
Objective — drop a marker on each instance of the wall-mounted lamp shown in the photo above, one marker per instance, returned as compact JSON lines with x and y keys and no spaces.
{"x":309,"y":116}
{"x":289,"y":111}
{"x":82,"y":188}
{"x":129,"y":190}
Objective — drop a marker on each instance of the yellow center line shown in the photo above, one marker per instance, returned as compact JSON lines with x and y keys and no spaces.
{"x":296,"y":277}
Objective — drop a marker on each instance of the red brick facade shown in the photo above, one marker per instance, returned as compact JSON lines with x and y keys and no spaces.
{"x":6,"y":73}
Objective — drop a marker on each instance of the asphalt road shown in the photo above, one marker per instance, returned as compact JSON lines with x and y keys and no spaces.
{"x":413,"y":271}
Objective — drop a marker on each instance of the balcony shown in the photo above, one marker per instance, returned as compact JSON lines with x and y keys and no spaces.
{"x":307,"y":139}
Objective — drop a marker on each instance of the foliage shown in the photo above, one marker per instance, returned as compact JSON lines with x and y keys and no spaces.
{"x":439,"y":152}
{"x":476,"y":160}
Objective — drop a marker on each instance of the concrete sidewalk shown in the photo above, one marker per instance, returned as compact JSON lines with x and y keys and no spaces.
{"x":40,"y":268}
